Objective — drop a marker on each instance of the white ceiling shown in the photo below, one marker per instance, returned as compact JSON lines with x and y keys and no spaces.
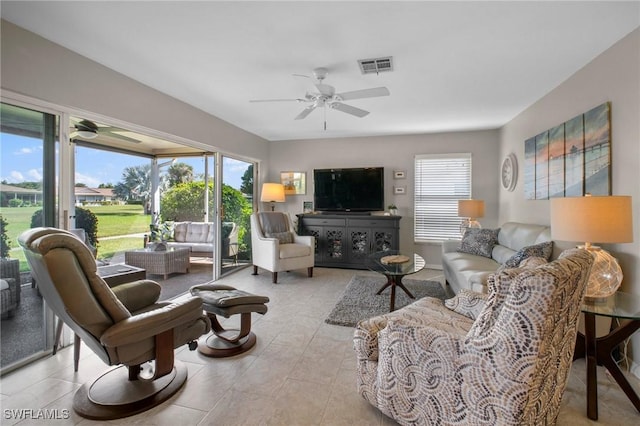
{"x":458,"y":65}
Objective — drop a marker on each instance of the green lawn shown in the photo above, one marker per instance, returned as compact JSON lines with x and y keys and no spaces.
{"x":120,"y":220}
{"x":107,"y":248}
{"x":112,"y":221}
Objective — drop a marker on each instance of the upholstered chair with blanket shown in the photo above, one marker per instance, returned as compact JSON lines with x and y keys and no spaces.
{"x":277,"y":247}
{"x":503,"y":358}
{"x":136,"y":332}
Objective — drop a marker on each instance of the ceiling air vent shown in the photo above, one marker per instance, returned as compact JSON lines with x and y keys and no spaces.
{"x":375,"y":66}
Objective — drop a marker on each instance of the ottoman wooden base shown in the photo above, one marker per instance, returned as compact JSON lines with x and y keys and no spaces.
{"x":228,"y":301}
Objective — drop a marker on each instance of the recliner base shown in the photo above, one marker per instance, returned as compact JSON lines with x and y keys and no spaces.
{"x":216,"y":347}
{"x":114,"y":396}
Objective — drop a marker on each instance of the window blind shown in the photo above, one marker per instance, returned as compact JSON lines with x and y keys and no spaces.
{"x":440,"y":181}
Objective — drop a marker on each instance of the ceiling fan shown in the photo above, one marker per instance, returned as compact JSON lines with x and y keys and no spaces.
{"x":86,"y":129}
{"x":326,"y":96}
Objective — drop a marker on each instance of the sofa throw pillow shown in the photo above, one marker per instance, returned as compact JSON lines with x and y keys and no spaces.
{"x":543,"y":250}
{"x":162,"y":232}
{"x":468,"y":303}
{"x":479,"y":241}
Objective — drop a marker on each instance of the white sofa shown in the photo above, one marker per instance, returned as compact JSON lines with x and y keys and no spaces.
{"x":199,"y":238}
{"x":469,"y":271}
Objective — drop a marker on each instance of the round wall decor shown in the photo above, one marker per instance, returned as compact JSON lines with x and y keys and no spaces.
{"x":509,"y":172}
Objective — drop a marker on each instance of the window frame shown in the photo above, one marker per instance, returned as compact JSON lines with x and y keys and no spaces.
{"x":430,"y":225}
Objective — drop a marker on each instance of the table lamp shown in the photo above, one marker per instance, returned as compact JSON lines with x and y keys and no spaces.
{"x":272,"y":193}
{"x":600,"y":219}
{"x":470,"y":210}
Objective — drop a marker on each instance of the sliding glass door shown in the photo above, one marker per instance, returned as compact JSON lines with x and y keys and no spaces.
{"x":236,"y":208}
{"x":28,"y":198}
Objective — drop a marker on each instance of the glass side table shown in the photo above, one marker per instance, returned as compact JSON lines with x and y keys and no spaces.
{"x":620,"y":306}
{"x":394,"y":271}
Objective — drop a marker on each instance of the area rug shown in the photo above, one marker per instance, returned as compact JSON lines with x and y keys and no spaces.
{"x":360,"y":300}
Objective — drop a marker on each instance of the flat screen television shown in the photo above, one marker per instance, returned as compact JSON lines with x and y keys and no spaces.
{"x":349,"y":190}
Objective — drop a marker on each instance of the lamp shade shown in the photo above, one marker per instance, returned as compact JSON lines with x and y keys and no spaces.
{"x":471,"y":208}
{"x":602,"y":219}
{"x":272,"y":192}
{"x":593,"y":219}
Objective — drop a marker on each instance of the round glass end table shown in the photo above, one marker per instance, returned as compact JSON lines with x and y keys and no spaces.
{"x":598,"y":350}
{"x":394,"y":265}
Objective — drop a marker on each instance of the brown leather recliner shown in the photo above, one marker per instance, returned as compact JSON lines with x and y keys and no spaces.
{"x":140,"y":337}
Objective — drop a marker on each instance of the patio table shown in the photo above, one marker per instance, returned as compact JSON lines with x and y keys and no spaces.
{"x":159,"y":262}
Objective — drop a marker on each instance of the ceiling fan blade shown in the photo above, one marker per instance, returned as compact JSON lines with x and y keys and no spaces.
{"x":349,"y":109}
{"x":325,"y":89}
{"x":305,"y":112}
{"x":364,"y":93}
{"x":277,"y":100}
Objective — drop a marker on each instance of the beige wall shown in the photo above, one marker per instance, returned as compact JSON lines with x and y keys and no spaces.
{"x":38,"y":68}
{"x":613,"y":76}
{"x":393,"y":153}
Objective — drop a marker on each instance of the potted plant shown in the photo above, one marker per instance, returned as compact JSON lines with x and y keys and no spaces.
{"x":393,"y":210}
{"x":9,"y":268}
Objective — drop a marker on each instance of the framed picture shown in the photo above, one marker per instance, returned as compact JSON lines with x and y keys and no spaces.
{"x":399,"y":189}
{"x":307,"y":206}
{"x":399,"y":174}
{"x":295,"y":183}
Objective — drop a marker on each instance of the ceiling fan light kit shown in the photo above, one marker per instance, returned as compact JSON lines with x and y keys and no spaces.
{"x":87,"y":129}
{"x":325,"y":95}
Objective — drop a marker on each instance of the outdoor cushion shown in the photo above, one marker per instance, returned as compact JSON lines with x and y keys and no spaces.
{"x":180,"y":231}
{"x":198,"y":232}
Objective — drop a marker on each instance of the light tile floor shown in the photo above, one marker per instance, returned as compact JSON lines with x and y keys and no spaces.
{"x":301,"y":372}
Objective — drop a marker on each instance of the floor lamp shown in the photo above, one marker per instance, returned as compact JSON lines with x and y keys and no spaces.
{"x":272,"y":193}
{"x":601,"y":219}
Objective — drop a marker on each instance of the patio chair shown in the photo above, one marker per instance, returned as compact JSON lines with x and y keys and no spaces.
{"x":10,"y":268}
{"x":140,"y":336}
{"x":8,"y":298}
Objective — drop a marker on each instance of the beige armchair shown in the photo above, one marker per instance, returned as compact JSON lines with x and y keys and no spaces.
{"x":136,"y":332}
{"x":277,"y":247}
{"x":428,"y":363}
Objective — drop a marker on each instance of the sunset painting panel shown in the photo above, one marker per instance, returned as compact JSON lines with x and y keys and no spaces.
{"x":574,"y":157}
{"x":597,"y":150}
{"x":542,"y":166}
{"x":530,"y":169}
{"x":556,"y":161}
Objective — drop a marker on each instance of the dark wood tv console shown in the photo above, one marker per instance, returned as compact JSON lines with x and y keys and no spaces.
{"x":345,"y":240}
